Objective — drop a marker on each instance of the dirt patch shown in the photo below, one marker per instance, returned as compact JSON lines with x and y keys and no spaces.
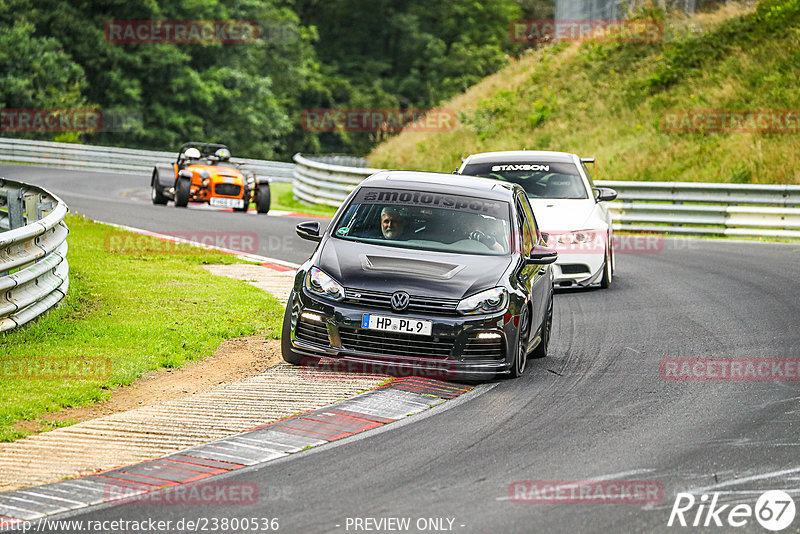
{"x":234,"y":360}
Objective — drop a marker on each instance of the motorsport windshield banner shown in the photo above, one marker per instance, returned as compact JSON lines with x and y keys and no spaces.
{"x":404,"y":197}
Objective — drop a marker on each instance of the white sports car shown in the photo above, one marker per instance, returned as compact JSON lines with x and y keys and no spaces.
{"x":570,"y":211}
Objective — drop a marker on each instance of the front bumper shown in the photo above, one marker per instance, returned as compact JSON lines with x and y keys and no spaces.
{"x":327,"y":329}
{"x":572,"y":269}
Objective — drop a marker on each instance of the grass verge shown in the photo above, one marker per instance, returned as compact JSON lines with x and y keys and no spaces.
{"x":129,"y":310}
{"x":283,"y":199}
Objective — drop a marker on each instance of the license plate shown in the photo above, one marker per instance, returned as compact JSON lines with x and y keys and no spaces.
{"x":226,"y":202}
{"x":396,"y":324}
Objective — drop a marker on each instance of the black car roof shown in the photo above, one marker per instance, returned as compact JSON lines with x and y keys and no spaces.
{"x":435,"y":182}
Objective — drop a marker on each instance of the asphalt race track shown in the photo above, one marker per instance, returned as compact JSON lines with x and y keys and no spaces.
{"x":596,"y":409}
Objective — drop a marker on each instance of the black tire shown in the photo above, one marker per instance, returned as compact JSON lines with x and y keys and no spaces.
{"x":608,"y":277}
{"x":546,"y":329}
{"x":182,"y":190}
{"x":263,"y":198}
{"x":521,"y":356}
{"x":288,"y":354}
{"x":156,"y":193}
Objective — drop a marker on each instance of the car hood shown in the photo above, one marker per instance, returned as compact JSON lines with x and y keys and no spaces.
{"x":566,"y":215}
{"x":418,"y":272}
{"x":217,"y":170}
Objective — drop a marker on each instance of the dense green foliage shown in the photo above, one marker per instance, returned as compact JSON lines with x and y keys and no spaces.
{"x":609,"y":100}
{"x":310,"y":54}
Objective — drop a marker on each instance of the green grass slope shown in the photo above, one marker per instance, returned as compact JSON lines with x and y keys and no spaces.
{"x":607,"y":100}
{"x":135,"y":304}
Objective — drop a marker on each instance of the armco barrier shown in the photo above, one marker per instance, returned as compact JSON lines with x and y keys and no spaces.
{"x":121,"y":160}
{"x":34,"y":273}
{"x":664,"y":207}
{"x":327,"y":179}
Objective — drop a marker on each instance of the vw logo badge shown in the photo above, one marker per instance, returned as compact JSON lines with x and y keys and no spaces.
{"x":400,"y":300}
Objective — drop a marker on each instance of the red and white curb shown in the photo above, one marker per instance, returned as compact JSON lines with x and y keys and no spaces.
{"x":252,"y":211}
{"x":400,"y":398}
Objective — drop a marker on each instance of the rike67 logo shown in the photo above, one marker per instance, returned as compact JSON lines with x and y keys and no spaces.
{"x":774,"y":510}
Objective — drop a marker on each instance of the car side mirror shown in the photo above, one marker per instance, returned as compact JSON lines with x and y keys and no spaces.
{"x":602,"y":194}
{"x":309,"y":230}
{"x":541,"y":255}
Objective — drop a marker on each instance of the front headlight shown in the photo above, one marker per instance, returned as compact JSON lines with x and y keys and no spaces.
{"x":319,"y":283}
{"x":577,"y":238}
{"x":580,"y":240}
{"x":489,"y":301}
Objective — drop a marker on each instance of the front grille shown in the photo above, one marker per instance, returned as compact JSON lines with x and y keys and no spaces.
{"x":229,"y":190}
{"x":395,"y":344}
{"x":312,"y":332}
{"x":484,"y":349}
{"x":416,"y":304}
{"x":575,"y":268}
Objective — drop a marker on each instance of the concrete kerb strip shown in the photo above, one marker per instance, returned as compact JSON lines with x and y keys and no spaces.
{"x":160,"y":429}
{"x":399,"y":399}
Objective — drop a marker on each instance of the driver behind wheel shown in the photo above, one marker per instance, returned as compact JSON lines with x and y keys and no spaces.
{"x":392,"y":223}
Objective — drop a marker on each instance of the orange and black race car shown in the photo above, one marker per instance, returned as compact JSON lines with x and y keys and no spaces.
{"x":204,"y":172}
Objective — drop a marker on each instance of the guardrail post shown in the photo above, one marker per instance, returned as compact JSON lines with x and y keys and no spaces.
{"x":43,"y":209}
{"x":31,"y":201}
{"x":15,"y":216}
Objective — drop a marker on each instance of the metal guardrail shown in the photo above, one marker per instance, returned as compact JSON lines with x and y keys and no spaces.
{"x":34,"y":273}
{"x":664,"y":207}
{"x":121,"y":160}
{"x":327,"y":180}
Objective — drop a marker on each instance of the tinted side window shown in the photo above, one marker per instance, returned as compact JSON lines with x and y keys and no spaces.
{"x":524,"y":229}
{"x":526,"y":207}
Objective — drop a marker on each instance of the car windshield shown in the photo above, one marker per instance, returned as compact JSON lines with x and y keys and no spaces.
{"x":426,"y":220}
{"x":540,"y":180}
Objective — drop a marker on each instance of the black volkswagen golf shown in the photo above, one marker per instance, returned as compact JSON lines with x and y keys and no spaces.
{"x":413,"y":278}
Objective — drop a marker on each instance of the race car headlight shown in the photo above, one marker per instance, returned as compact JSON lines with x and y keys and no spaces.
{"x":204,"y":174}
{"x":319,"y":283}
{"x":488,"y":301}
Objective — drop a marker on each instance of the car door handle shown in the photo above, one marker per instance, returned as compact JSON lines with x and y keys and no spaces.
{"x":542,"y":270}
